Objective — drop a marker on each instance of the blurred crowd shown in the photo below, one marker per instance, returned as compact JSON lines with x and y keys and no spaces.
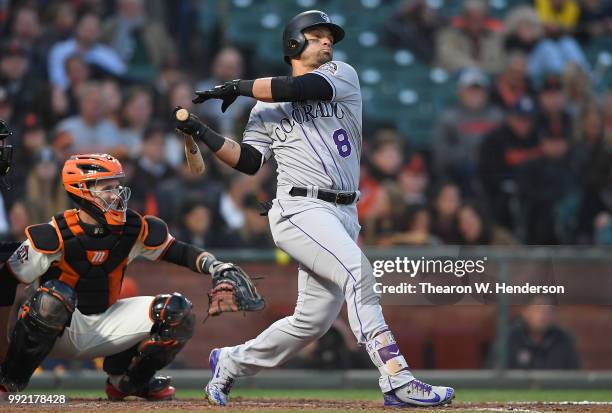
{"x":525,"y":153}
{"x":523,"y":156}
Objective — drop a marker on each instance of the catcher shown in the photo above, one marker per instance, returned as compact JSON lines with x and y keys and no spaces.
{"x":75,"y":266}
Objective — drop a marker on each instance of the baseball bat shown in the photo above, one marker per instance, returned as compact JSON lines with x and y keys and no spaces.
{"x":192,"y":151}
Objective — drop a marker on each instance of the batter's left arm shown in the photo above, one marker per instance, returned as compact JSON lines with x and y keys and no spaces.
{"x":309,"y":86}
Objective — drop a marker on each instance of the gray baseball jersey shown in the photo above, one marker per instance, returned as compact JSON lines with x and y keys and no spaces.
{"x":317,"y":143}
{"x":314,"y":142}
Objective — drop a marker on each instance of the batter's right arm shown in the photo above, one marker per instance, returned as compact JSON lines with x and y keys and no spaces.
{"x":242,"y":157}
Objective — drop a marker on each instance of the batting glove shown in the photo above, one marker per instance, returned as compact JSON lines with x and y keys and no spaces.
{"x":227,"y":92}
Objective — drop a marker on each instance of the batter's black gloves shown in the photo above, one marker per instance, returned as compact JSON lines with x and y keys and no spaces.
{"x":192,"y":126}
{"x":228,"y":92}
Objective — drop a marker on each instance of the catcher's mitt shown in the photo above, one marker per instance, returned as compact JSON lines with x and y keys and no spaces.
{"x":233,"y":290}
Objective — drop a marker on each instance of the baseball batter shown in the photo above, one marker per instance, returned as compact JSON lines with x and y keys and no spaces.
{"x":311,"y":123}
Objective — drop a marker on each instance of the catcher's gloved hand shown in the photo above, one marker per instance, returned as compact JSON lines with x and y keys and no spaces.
{"x":192,"y":126}
{"x":232,"y":290}
{"x":228,"y":92}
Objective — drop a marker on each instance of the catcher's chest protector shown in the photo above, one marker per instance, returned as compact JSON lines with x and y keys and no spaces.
{"x":93,"y":266}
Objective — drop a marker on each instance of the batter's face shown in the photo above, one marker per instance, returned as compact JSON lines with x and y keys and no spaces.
{"x":319,"y":47}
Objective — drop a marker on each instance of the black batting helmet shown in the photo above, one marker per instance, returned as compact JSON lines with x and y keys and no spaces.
{"x":294,"y":41}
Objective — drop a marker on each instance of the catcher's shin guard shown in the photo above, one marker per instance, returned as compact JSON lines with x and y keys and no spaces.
{"x":173,"y":326}
{"x":42,"y":319}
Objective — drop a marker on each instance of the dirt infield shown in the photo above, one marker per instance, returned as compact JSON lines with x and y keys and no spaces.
{"x":240,"y":404}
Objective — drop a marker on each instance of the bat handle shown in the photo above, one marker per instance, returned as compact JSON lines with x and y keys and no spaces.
{"x":182,"y":115}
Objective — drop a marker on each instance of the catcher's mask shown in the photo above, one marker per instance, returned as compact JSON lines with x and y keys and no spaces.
{"x":6,"y":151}
{"x":93,"y":183}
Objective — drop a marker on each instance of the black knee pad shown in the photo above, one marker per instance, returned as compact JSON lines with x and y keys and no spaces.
{"x":50,"y":307}
{"x":172,"y":317}
{"x":42,"y":318}
{"x":173,"y":325}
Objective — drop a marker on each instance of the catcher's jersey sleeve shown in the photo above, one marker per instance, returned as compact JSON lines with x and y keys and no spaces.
{"x":28,"y":264}
{"x":256,"y":134}
{"x":343,"y":80}
{"x":153,"y":241}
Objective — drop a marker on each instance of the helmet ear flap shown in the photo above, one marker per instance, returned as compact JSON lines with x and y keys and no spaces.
{"x":293,"y":44}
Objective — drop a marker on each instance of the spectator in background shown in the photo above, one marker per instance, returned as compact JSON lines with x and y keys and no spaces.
{"x":228,"y":65}
{"x":24,"y":90}
{"x":150,"y":171}
{"x":26,"y":30}
{"x":577,"y":89}
{"x":472,"y":40}
{"x":6,"y":106}
{"x":460,"y":130}
{"x":607,"y":108}
{"x":417,"y":230}
{"x":200,"y":222}
{"x":143,"y":44}
{"x":595,"y":20}
{"x":231,"y":203}
{"x":185,"y":186}
{"x":444,"y":211}
{"x":545,"y":185}
{"x":476,"y":229}
{"x":603,"y":229}
{"x":414,"y":26}
{"x":590,"y":135}
{"x":18,"y":221}
{"x":593,"y":158}
{"x":113,"y":99}
{"x":553,"y":115}
{"x":45,"y":193}
{"x":86,"y":41}
{"x":558,"y":15}
{"x":413,"y":181}
{"x":91,"y":131}
{"x":255,"y":232}
{"x":536,"y":341}
{"x":383,"y":163}
{"x":194,"y":224}
{"x":526,"y":33}
{"x":501,"y":154}
{"x":512,"y":83}
{"x":61,"y":24}
{"x":135,"y":117}
{"x":30,"y":141}
{"x":64,"y":102}
{"x":386,"y":214}
{"x":6,"y":233}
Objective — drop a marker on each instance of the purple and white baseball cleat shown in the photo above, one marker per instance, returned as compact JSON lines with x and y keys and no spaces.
{"x":218,"y":388}
{"x":417,"y":393}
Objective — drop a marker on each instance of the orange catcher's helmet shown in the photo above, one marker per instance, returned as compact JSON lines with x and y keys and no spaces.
{"x":81,"y":175}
